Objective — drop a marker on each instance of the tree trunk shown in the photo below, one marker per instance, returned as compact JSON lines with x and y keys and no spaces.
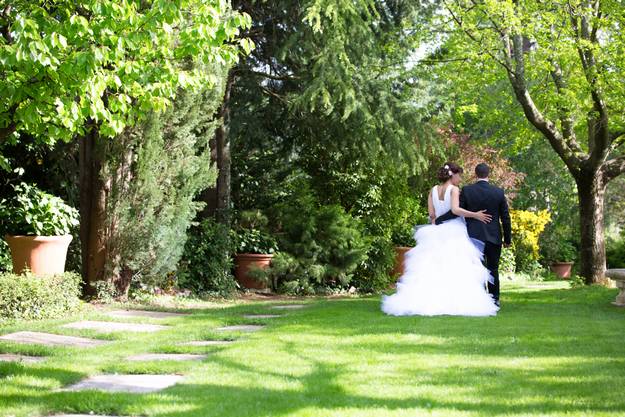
{"x":92,"y":211}
{"x":218,"y":198}
{"x":591,"y":194}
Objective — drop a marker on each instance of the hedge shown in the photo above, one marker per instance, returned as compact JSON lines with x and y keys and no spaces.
{"x":30,"y":297}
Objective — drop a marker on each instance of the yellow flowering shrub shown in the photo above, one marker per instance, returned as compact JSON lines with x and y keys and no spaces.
{"x":526,"y":229}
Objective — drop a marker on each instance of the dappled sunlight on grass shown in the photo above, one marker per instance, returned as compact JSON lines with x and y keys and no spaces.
{"x":550,"y":352}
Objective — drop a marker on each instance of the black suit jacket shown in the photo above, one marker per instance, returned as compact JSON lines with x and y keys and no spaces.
{"x":484,"y":196}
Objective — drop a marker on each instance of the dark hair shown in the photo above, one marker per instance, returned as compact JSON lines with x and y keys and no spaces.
{"x":482,"y":170}
{"x":443,"y":173}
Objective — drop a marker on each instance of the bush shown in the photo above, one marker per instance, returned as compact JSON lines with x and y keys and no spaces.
{"x":34,"y":212}
{"x":156,"y":170}
{"x":250,"y":234}
{"x":30,"y":297}
{"x":508,"y":261}
{"x":615,"y":252}
{"x":206,"y":263}
{"x":6,"y":264}
{"x":374,"y":273}
{"x":526,"y":229}
{"x":321,"y":245}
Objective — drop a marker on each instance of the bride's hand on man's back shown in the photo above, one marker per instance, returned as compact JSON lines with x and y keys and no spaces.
{"x":483,"y":216}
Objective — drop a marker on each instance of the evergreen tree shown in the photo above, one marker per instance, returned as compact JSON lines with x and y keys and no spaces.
{"x":152,"y":201}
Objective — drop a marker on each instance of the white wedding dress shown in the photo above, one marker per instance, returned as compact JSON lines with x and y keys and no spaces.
{"x":443,"y":274}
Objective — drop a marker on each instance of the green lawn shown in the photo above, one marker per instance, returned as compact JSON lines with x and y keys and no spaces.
{"x":552,"y":351}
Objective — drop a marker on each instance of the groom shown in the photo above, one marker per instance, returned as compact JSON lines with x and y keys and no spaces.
{"x":484,"y":196}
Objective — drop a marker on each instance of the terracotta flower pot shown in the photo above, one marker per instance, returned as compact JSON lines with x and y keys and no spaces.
{"x":400,"y":252}
{"x":243,"y":262}
{"x":562,"y":269}
{"x":42,"y":255}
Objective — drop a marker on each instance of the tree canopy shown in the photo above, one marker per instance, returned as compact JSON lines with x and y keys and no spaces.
{"x":67,"y":64}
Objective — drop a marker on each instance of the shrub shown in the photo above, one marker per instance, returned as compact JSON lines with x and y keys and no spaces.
{"x":6,"y":264}
{"x":615,"y":252}
{"x":374,"y":273}
{"x":250,"y":234}
{"x":324,"y":244}
{"x":508,"y":261}
{"x":156,"y":170}
{"x":526,"y":229}
{"x":34,"y":212}
{"x":30,"y":297}
{"x":206,"y":263}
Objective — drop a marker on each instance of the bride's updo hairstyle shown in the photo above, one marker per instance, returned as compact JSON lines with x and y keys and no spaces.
{"x":447,"y":170}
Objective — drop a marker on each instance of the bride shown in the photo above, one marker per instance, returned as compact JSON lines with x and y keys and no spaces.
{"x":443,"y":274}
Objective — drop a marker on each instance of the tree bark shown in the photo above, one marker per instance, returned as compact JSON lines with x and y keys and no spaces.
{"x":92,"y":211}
{"x":218,"y":198}
{"x":591,"y":193}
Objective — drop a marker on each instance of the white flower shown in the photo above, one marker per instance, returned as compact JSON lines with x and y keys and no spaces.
{"x":450,"y":173}
{"x":446,"y":167}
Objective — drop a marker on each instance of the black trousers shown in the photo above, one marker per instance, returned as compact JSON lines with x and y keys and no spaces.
{"x":492,"y":253}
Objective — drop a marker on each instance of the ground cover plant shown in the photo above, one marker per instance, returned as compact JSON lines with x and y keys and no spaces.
{"x":551,"y":351}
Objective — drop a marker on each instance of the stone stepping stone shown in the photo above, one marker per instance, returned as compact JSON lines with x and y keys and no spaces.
{"x":261,"y":316}
{"x":179,"y":357}
{"x":143,"y":313}
{"x":50,"y":339}
{"x":241,"y":328}
{"x":208,"y":343}
{"x":109,"y":326}
{"x":126,"y":383}
{"x":289,"y":307}
{"x":9,"y":357}
{"x":80,"y":415}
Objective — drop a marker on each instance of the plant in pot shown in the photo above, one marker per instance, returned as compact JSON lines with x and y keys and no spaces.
{"x":254,"y":248}
{"x":560,"y":254}
{"x":403,"y":239}
{"x":37,"y":228}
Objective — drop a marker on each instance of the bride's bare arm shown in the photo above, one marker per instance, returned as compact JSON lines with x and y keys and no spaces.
{"x":431,"y":209}
{"x":459,"y":211}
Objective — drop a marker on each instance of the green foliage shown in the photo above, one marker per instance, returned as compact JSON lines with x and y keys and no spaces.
{"x":373,"y":274}
{"x":105,"y":291}
{"x":30,"y":297}
{"x":507,"y":262}
{"x":615,"y":252}
{"x":250,"y":234}
{"x":206,"y":264}
{"x":34,"y":212}
{"x":156,"y":171}
{"x":555,"y":249}
{"x":66,"y":63}
{"x":6,"y":264}
{"x":323,"y":243}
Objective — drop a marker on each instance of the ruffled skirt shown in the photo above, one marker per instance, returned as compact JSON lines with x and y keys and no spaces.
{"x":443,"y":274}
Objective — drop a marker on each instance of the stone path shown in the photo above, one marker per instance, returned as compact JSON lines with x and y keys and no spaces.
{"x":208,"y":343}
{"x":144,"y":313}
{"x":50,"y":339}
{"x":109,"y":326}
{"x":129,"y":383}
{"x":79,"y":415}
{"x":289,"y":307}
{"x":9,"y":357}
{"x":261,"y":316}
{"x":241,"y":328}
{"x":179,"y":357}
{"x":126,"y":383}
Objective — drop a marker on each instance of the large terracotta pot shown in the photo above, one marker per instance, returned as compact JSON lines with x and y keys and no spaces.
{"x":42,"y":255}
{"x":243,"y":262}
{"x":400,"y":251}
{"x":562,"y":269}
